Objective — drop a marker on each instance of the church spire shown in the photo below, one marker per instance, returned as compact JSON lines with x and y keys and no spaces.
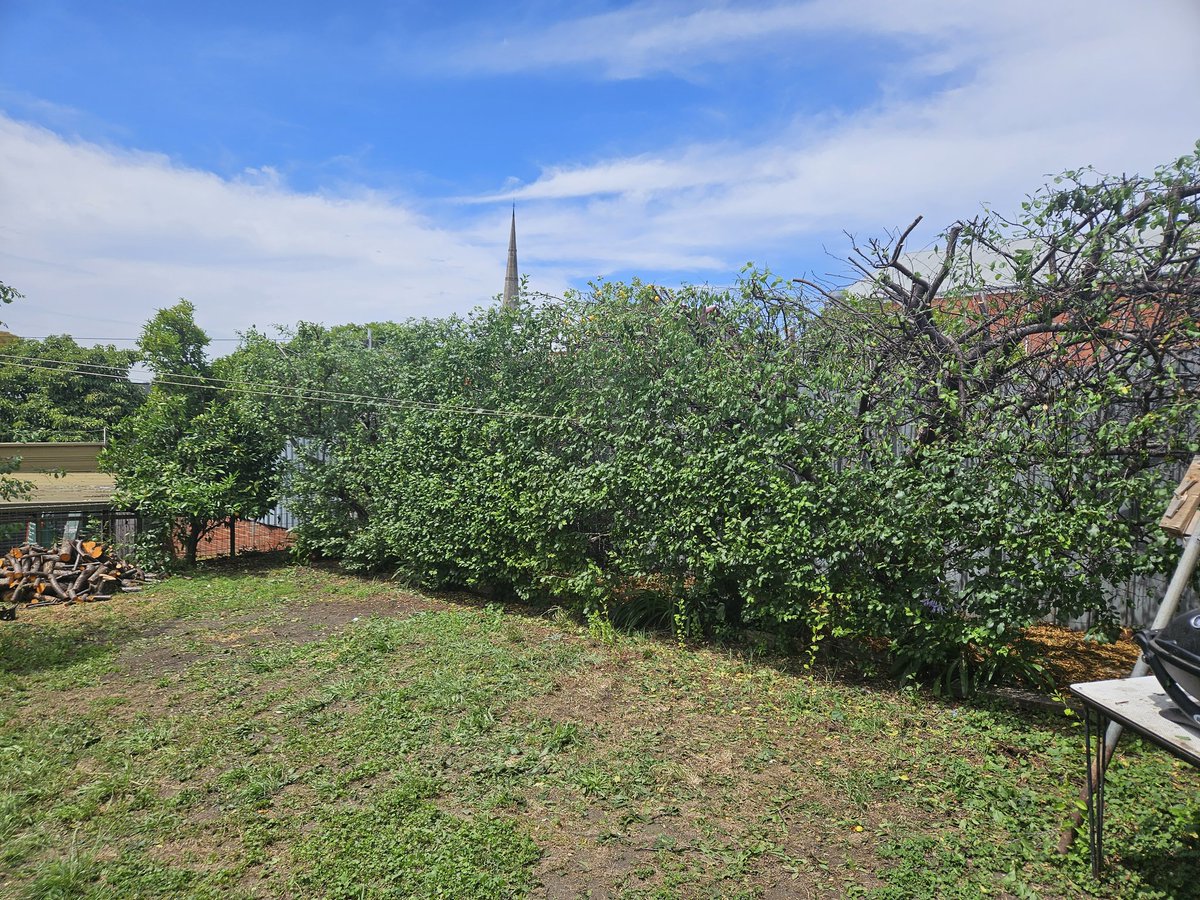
{"x":511,"y":284}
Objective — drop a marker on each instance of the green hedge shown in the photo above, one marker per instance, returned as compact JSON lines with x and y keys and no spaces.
{"x":702,"y":458}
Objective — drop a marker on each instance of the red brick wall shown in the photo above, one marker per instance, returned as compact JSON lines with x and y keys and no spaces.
{"x":250,"y":537}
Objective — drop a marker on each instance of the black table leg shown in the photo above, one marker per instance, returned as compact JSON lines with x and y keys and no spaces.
{"x":1095,"y":781}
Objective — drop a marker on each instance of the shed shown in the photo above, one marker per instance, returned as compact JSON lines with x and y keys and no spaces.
{"x":69,"y":495}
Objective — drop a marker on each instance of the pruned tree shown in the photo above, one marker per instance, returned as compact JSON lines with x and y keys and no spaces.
{"x":1019,"y":392}
{"x":1095,"y":288}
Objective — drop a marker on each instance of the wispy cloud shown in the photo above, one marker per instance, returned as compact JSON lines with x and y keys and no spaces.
{"x":643,"y":175}
{"x":663,"y":36}
{"x":631,"y":41}
{"x":1034,"y":95}
{"x":62,"y":118}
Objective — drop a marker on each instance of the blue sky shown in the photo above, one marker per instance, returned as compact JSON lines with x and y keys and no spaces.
{"x":282,"y":161}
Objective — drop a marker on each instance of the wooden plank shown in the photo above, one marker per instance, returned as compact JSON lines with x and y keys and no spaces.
{"x":1181,"y":515}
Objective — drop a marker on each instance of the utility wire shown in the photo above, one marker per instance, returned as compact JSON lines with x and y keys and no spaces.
{"x":178,"y":379}
{"x":44,"y":337}
{"x":273,"y":390}
{"x":265,"y":389}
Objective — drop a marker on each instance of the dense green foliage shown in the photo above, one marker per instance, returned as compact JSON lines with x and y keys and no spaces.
{"x":44,"y":398}
{"x":193,"y":456}
{"x":629,"y":438}
{"x":931,"y":460}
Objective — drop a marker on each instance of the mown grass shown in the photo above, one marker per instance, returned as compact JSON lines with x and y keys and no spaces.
{"x":288,"y":732}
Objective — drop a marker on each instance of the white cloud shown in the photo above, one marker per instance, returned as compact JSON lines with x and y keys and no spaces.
{"x":100,"y":238}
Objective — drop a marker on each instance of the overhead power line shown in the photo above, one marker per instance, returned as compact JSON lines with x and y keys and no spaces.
{"x":265,"y":389}
{"x":179,"y":379}
{"x":44,"y":337}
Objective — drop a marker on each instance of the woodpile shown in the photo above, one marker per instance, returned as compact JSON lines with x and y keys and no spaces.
{"x":74,"y":572}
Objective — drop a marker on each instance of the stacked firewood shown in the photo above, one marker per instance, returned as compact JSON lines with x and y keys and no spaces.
{"x":74,"y":572}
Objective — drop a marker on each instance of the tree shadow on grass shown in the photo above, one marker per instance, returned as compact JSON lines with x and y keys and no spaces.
{"x":255,"y":562}
{"x":29,"y":647}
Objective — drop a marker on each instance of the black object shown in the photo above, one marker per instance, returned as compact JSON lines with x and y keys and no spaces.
{"x":1173,"y":654}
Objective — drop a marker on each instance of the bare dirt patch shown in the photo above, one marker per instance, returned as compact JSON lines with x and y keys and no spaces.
{"x":300,"y":623}
{"x":720,"y":787}
{"x":150,"y":656}
{"x":154,"y":661}
{"x":306,"y":622}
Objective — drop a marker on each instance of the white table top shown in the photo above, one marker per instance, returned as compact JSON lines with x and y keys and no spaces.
{"x":1141,"y":705}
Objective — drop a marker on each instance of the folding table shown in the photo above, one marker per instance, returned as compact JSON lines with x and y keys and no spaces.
{"x":1141,"y":706}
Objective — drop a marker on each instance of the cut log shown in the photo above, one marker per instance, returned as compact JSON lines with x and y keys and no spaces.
{"x":55,"y":588}
{"x":73,"y":571}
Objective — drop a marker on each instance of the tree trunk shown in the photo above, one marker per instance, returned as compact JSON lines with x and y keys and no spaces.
{"x":195,"y":530}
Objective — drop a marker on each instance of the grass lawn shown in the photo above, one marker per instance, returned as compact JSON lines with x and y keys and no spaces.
{"x":268,"y":732}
